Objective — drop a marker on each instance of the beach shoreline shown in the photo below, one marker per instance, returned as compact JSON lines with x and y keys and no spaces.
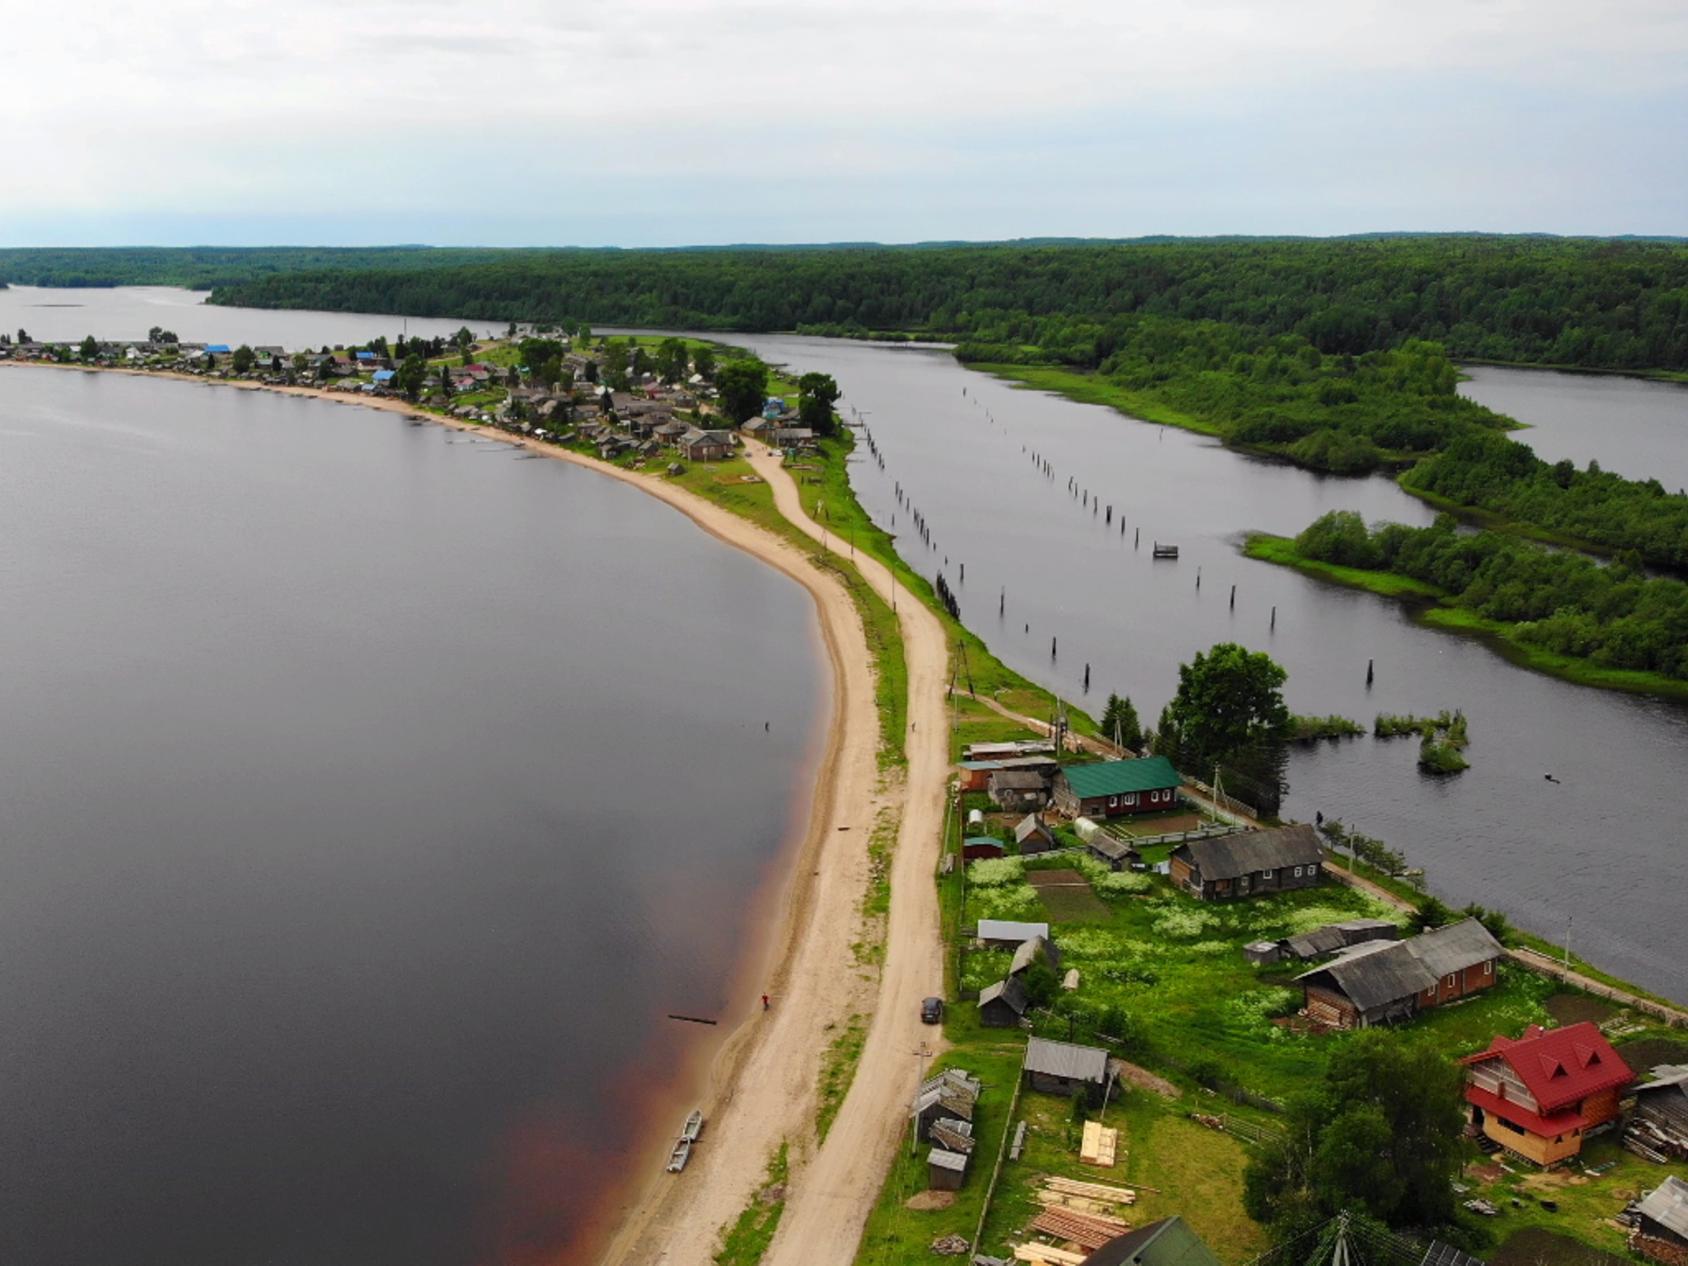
{"x":805,"y":957}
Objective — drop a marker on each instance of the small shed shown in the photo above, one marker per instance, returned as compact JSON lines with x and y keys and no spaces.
{"x":1263,"y":953}
{"x":981,"y":847}
{"x":1036,"y":949}
{"x":1007,"y":933}
{"x":1113,"y":853}
{"x":945,"y":1169}
{"x":950,"y":1096}
{"x":1661,"y":1230}
{"x":1004,"y":1004}
{"x":1018,"y":789}
{"x":1034,"y":836}
{"x":1066,"y":1069}
{"x":1659,"y":1124}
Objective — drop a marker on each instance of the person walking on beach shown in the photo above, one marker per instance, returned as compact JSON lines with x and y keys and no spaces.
{"x":764,"y":1002}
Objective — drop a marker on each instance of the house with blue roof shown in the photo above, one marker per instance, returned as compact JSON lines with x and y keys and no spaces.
{"x":218,"y":349}
{"x":383,"y":377}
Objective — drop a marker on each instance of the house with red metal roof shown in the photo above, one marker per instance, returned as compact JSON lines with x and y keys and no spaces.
{"x":1541,"y":1094}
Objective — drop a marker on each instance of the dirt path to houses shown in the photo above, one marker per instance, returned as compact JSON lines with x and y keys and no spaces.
{"x":832,"y":1194}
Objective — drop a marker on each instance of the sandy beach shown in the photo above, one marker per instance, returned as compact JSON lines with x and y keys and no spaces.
{"x":760,"y":1088}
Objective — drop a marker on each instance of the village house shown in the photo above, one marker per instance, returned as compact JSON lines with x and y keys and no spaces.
{"x":1033,"y":835}
{"x":976,"y":774}
{"x":1540,"y":1095}
{"x":1658,"y":1128}
{"x":1248,"y":863}
{"x":1379,"y":982}
{"x":757,"y":428}
{"x":1018,"y":789}
{"x":1061,"y":1068}
{"x":1168,"y":1242}
{"x":1004,"y":1004}
{"x":1111,"y":788}
{"x":1007,"y":934}
{"x":706,"y":446}
{"x":793,"y":437}
{"x":669,"y":432}
{"x":1661,"y":1224}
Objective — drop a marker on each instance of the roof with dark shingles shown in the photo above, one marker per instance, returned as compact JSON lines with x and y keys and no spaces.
{"x":1011,"y":991}
{"x":1115,"y":777}
{"x":1380,"y":972}
{"x":1232,"y":856}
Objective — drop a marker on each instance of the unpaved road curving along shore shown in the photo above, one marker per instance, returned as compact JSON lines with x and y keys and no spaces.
{"x":831,"y":1196}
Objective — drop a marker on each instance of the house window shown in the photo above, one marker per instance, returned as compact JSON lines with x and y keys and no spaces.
{"x":1489,"y":968}
{"x":1298,"y":872}
{"x":1511,"y":1125}
{"x":1313,"y":869}
{"x":1113,"y":802}
{"x":1450,"y":981}
{"x":1266,"y":874}
{"x":1131,"y":798}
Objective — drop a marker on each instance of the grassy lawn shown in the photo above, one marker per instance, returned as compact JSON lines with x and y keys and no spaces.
{"x":744,"y":1243}
{"x":1586,"y":1203}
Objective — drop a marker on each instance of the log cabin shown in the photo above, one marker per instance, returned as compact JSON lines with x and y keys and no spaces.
{"x":1379,"y":982}
{"x":1248,"y":863}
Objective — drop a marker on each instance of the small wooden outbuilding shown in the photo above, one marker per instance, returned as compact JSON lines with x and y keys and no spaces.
{"x":1021,"y":789}
{"x":1066,"y":1069}
{"x":1661,"y":1229}
{"x":1033,"y":835}
{"x":1004,"y":1004}
{"x":945,"y":1169}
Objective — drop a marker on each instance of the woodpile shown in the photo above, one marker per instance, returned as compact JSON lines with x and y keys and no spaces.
{"x":1087,"y":1230}
{"x":1090,"y":1190}
{"x":1048,"y":1255}
{"x":1099,"y":1146}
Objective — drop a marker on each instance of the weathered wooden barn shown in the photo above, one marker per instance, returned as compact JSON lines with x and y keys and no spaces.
{"x":950,"y":1095}
{"x":981,"y":848}
{"x":1062,"y":1068}
{"x":1024,"y":790}
{"x":1004,"y":1004}
{"x":1112,"y":853}
{"x":1036,"y":949}
{"x":1248,"y":863}
{"x":1380,"y":982}
{"x":1113,"y":788}
{"x":1033,"y":835}
{"x":1658,"y":1128}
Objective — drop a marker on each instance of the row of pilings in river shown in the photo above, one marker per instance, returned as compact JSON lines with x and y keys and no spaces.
{"x":1087,"y":502}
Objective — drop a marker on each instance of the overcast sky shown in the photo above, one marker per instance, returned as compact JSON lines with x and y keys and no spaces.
{"x":666,"y":122}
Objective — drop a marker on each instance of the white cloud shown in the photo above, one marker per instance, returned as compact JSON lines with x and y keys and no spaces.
{"x":312,"y":109}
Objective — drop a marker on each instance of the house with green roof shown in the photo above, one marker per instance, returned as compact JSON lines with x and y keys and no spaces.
{"x":1114,"y":788}
{"x":1169,"y":1242}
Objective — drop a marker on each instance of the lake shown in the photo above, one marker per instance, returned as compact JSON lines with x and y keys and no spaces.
{"x":371,"y":793}
{"x":1582,"y":856}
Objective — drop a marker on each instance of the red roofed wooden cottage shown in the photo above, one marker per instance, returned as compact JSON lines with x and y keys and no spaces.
{"x":1540,"y":1095}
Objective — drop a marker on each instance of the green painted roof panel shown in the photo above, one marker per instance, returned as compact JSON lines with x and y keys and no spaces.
{"x":1114,"y":777}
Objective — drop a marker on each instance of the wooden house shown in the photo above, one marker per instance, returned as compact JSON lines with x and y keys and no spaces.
{"x":706,"y":446}
{"x":1065,"y":1069}
{"x":1541,"y":1094}
{"x":1033,"y":835}
{"x":1248,"y":863}
{"x":1112,"y":788}
{"x":1008,"y":934}
{"x":1658,"y":1128}
{"x":1017,"y":789}
{"x":1380,"y":982}
{"x":1004,"y":1004}
{"x":1169,"y":1242}
{"x":1661,"y":1223}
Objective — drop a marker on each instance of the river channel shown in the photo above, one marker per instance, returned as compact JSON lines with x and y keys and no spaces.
{"x":1588,"y":856}
{"x":369,"y":795}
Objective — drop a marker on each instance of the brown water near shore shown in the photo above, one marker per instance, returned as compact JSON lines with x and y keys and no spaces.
{"x":532,"y":1180}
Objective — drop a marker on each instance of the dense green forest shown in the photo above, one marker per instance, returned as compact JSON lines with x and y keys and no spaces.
{"x":1561,"y":602}
{"x":207,"y":267}
{"x":1599,"y":303}
{"x":1592,"y":506}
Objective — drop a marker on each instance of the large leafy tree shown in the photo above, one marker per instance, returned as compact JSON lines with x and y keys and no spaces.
{"x":1229,"y":710}
{"x":244,"y":359}
{"x":1380,"y":1136}
{"x":744,"y":386}
{"x":816,"y":394}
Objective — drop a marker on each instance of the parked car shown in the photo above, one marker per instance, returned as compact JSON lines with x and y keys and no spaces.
{"x":932,"y":1010}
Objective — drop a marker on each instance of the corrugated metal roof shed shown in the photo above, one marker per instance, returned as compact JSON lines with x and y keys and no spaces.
{"x":1667,"y":1204}
{"x":1064,"y":1059}
{"x":1008,"y":930}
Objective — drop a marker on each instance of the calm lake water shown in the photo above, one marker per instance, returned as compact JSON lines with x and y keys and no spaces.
{"x":1588,"y":848}
{"x":1634,"y":427}
{"x":369,"y":796}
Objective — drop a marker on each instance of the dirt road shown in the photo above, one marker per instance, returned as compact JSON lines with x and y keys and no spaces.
{"x":831,"y":1196}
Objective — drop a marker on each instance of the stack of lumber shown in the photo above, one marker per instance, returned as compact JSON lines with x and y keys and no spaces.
{"x":1048,"y":1255}
{"x":1087,"y":1230}
{"x":1090,"y":1190}
{"x":1099,"y":1145}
